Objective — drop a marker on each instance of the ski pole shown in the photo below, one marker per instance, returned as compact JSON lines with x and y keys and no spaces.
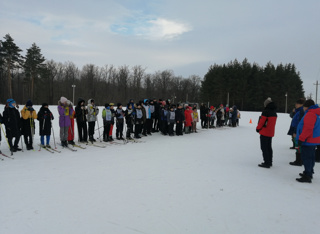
{"x":54,"y":139}
{"x":99,"y":130}
{"x":6,"y":138}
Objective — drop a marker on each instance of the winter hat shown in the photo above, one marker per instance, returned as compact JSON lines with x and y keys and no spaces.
{"x":63,"y":99}
{"x":111,"y":104}
{"x":29,"y":103}
{"x":44,"y":104}
{"x":300,"y":101}
{"x":211,"y":107}
{"x":267,"y":101}
{"x":106,"y":105}
{"x":309,"y":103}
{"x":118,"y":105}
{"x":10,"y":102}
{"x":145,"y":101}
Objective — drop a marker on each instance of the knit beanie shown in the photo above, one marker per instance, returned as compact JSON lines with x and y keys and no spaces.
{"x":267,"y":101}
{"x":309,"y":103}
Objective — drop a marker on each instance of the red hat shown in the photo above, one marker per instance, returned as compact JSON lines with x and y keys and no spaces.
{"x":211,"y":107}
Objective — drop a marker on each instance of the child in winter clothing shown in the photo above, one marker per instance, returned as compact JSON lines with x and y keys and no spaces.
{"x":93,"y":111}
{"x":188,"y":121}
{"x":164,"y":120}
{"x":138,"y":121}
{"x":45,"y":118}
{"x":148,"y":121}
{"x":179,"y":120}
{"x":107,"y":118}
{"x":120,"y":121}
{"x":81,"y":117}
{"x":11,"y":119}
{"x":171,"y":120}
{"x":129,"y":114}
{"x":64,"y":111}
{"x":28,"y":115}
{"x":195,"y":119}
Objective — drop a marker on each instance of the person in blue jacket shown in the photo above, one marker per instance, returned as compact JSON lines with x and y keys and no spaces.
{"x":308,"y":137}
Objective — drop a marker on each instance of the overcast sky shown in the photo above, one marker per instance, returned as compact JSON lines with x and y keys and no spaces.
{"x":184,"y":36}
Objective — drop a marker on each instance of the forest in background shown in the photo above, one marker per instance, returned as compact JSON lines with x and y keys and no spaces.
{"x":237,"y":83}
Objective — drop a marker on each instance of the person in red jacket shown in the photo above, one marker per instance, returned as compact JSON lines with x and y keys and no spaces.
{"x":266,"y":127}
{"x":308,"y":137}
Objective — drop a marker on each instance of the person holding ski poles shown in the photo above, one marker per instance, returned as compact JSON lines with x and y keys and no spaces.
{"x":11,"y":119}
{"x":81,"y":117}
{"x":71,"y":128}
{"x":28,"y":115}
{"x":45,"y":118}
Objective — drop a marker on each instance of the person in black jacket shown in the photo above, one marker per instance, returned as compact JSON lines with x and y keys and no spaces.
{"x":1,"y":121}
{"x":45,"y":118}
{"x":179,"y":120}
{"x":81,"y":117}
{"x":12,"y":121}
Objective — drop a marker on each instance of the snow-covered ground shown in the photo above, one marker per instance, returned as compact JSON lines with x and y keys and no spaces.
{"x":207,"y":182}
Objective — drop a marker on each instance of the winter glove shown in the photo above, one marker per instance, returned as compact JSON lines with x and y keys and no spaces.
{"x":30,"y":109}
{"x":257,"y":130}
{"x":300,"y":143}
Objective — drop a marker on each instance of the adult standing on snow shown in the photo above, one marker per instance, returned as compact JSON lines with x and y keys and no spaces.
{"x":308,"y":137}
{"x":298,"y":114}
{"x":266,"y":127}
{"x":93,"y":111}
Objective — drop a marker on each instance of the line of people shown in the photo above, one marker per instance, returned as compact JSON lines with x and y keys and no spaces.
{"x":224,"y":115}
{"x":137,"y":119}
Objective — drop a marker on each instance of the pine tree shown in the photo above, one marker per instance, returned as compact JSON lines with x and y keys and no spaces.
{"x":33,"y":65}
{"x":10,"y":58}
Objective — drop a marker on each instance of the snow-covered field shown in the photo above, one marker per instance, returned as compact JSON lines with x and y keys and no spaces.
{"x":207,"y":182}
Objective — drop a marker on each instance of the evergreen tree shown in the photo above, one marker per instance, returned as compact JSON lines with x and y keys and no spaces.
{"x":33,"y":65}
{"x":10,"y":58}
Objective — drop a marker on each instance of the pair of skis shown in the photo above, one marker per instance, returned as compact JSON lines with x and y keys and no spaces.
{"x":51,"y":150}
{"x":4,"y":155}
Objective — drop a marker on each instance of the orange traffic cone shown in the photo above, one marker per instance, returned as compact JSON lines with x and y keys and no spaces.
{"x":250,"y":122}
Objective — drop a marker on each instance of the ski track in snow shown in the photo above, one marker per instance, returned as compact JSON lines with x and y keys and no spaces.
{"x":206,"y":182}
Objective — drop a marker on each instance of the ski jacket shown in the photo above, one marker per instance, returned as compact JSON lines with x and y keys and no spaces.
{"x":45,"y":118}
{"x":267,"y":121}
{"x":195,"y":116}
{"x":129,"y":115}
{"x":93,"y":111}
{"x":1,"y":121}
{"x":81,"y":112}
{"x":65,"y":111}
{"x":171,"y":117}
{"x":299,"y":113}
{"x":148,"y":111}
{"x":28,"y":115}
{"x":179,"y":115}
{"x":188,"y":116}
{"x":12,"y":121}
{"x":138,"y":116}
{"x":308,"y":130}
{"x":164,"y":114}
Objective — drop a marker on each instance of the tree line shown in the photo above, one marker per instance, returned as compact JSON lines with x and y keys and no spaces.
{"x":34,"y":77}
{"x":248,"y":85}
{"x":236,"y":83}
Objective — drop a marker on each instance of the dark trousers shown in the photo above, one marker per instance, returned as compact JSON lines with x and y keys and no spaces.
{"x":28,"y":139}
{"x":129,"y":130}
{"x":171,"y":125}
{"x":318,"y":153}
{"x":266,"y":147}
{"x":179,"y":129}
{"x":106,"y":130}
{"x":137,"y":129}
{"x":91,"y":129}
{"x":308,"y":158}
{"x":82,"y":131}
{"x":119,"y":130}
{"x":147,"y":126}
{"x":156,"y":124}
{"x":16,"y":141}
